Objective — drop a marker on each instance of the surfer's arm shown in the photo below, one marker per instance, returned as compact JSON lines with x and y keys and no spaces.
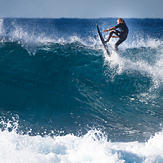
{"x":105,"y":30}
{"x":112,"y":28}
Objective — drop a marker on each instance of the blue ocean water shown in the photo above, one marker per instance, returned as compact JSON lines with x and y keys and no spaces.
{"x":64,"y":100}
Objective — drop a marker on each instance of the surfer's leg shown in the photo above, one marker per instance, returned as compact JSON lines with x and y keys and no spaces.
{"x":116,"y":47}
{"x":110,"y":35}
{"x":118,"y":43}
{"x":116,"y":32}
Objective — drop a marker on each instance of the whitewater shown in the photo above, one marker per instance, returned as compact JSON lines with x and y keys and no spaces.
{"x":64,"y":100}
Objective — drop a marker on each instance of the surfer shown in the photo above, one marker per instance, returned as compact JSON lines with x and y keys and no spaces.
{"x":122,"y":34}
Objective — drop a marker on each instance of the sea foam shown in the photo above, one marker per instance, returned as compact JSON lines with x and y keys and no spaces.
{"x":90,"y":148}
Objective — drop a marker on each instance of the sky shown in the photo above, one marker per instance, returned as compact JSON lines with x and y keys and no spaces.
{"x":81,"y":8}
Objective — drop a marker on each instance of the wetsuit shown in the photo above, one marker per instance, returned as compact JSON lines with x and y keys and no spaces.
{"x":122,"y":34}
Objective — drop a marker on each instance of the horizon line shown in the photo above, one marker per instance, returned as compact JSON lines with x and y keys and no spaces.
{"x":78,"y":18}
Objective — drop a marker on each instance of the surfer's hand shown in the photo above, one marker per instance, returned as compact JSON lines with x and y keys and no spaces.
{"x":105,"y":30}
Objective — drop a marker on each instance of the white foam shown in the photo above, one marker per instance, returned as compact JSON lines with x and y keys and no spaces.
{"x":120,"y":64}
{"x":90,"y":148}
{"x":17,"y":148}
{"x":150,"y":151}
{"x":139,"y":42}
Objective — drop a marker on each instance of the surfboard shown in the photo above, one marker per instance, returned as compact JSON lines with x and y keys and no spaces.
{"x":102,"y":40}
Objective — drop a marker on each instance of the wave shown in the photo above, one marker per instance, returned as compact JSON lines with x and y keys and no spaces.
{"x":100,"y":88}
{"x":48,"y":65}
{"x":145,"y":59}
{"x":142,"y":55}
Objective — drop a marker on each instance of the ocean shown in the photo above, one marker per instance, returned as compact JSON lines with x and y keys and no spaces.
{"x":64,"y":100}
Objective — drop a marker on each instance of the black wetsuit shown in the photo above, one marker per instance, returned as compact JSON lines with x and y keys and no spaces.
{"x":122,"y":34}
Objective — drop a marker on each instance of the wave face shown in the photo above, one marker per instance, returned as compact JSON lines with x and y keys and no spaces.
{"x":64,"y":100}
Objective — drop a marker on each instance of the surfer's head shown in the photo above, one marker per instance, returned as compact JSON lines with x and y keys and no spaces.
{"x":120,"y":20}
